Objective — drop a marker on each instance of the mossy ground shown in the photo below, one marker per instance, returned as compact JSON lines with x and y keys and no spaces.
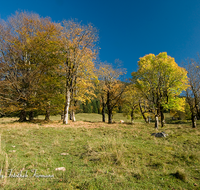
{"x":99,"y":155}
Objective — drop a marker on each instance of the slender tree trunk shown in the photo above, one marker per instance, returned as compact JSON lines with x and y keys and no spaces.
{"x":197,"y":110}
{"x":47,"y":115}
{"x":73,"y":116}
{"x":162,"y":116}
{"x":194,"y":125}
{"x":66,"y":109}
{"x":70,"y":114}
{"x":71,"y":104}
{"x":192,"y":109}
{"x":132,"y":115}
{"x":109,"y":108}
{"x":103,"y":109}
{"x":109,"y":115}
{"x":156,"y":121}
{"x":146,"y":120}
{"x":73,"y":111}
{"x":31,"y":116}
{"x":22,"y":116}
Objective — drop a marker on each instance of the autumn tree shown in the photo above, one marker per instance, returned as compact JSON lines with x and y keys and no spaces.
{"x":52,"y":82}
{"x":130,"y":100}
{"x":101,"y":94}
{"x":79,"y":52}
{"x":28,"y":45}
{"x":111,"y":88}
{"x":160,"y":80}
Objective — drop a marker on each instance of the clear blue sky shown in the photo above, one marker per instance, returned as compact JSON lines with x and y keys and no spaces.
{"x":128,"y":29}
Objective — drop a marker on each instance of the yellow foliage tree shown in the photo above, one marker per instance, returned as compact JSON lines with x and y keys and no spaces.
{"x":79,"y":51}
{"x":160,"y":80}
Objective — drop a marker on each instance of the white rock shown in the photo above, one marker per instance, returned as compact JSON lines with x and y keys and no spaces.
{"x":60,"y":169}
{"x":64,"y":154}
{"x":12,"y":150}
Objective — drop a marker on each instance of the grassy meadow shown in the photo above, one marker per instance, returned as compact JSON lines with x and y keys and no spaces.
{"x":98,"y":155}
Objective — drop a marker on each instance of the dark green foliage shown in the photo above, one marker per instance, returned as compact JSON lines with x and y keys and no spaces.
{"x":87,"y":108}
{"x":120,"y":109}
{"x":90,"y":107}
{"x":94,"y":106}
{"x":98,"y":106}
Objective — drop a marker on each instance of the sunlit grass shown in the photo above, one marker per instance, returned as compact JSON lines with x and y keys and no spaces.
{"x":100,"y":155}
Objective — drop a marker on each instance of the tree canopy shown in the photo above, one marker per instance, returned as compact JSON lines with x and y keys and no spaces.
{"x":161,"y":80}
{"x":51,"y":68}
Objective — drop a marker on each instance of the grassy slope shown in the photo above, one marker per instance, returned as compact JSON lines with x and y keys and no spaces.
{"x":100,"y":156}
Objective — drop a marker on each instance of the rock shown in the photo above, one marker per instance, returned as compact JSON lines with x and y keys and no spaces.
{"x":64,"y":154}
{"x":60,"y":169}
{"x":121,"y":121}
{"x":12,"y":150}
{"x":195,"y":184}
{"x":162,"y":134}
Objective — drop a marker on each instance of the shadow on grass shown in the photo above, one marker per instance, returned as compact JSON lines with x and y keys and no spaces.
{"x":36,"y":121}
{"x":180,"y":175}
{"x":178,"y":122}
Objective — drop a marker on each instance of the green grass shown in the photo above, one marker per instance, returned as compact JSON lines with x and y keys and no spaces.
{"x":91,"y":117}
{"x":100,"y":155}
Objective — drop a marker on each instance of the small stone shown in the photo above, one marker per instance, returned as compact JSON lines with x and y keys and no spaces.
{"x":121,"y":121}
{"x":195,"y":184}
{"x":64,"y":154}
{"x":12,"y":150}
{"x":60,"y":169}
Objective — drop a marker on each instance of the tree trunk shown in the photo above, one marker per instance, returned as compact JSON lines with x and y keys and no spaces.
{"x":156,"y":121}
{"x":66,"y":109}
{"x":162,"y":117}
{"x":146,"y":120}
{"x":110,"y":116}
{"x":47,"y":115}
{"x":197,"y":110}
{"x":109,"y":108}
{"x":70,"y":115}
{"x":103,"y":109}
{"x":132,"y":115}
{"x":22,"y":116}
{"x":194,"y":125}
{"x":73,"y":111}
{"x":31,"y":116}
{"x":73,"y":116}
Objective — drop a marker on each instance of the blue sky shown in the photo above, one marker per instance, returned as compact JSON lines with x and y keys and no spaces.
{"x":128,"y":29}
